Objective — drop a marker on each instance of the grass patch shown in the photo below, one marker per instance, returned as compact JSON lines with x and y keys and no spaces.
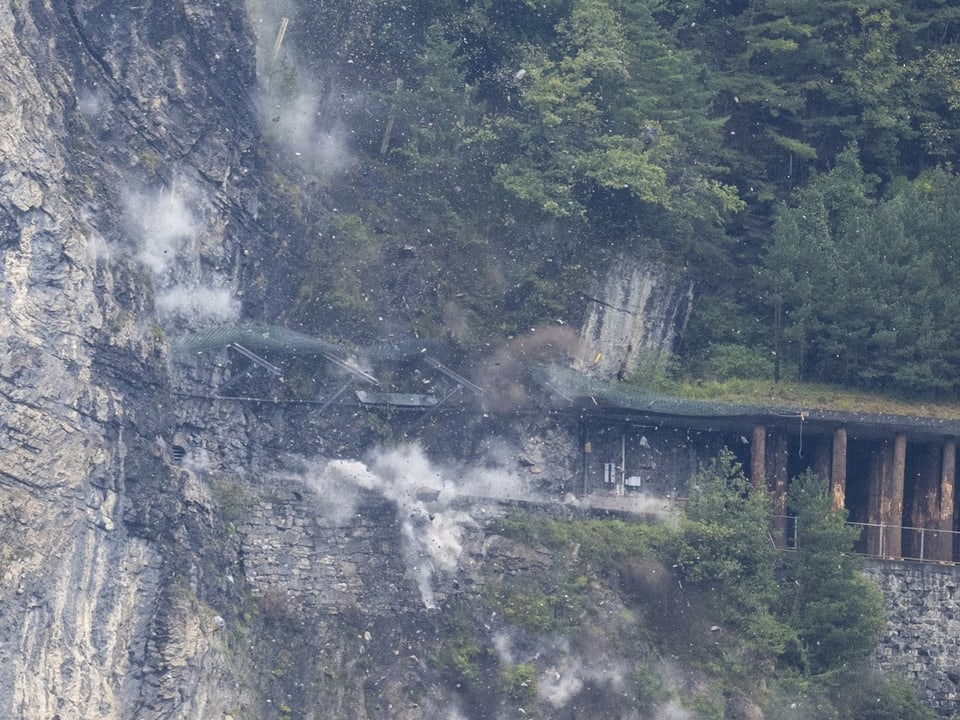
{"x":600,"y":543}
{"x":812,"y":396}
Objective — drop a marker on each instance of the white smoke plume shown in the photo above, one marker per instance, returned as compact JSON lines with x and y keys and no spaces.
{"x":301,"y":114}
{"x":503,"y":644}
{"x":266,"y":17}
{"x":570,"y":674}
{"x":433,"y":527}
{"x":673,"y":710}
{"x":166,"y":238}
{"x":162,"y":227}
{"x":295,"y":123}
{"x":193,"y":301}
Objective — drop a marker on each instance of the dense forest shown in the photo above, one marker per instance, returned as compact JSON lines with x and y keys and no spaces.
{"x":794,"y":158}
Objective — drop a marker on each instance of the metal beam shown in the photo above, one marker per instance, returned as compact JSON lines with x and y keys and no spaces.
{"x":423,"y":418}
{"x":459,"y":379}
{"x":254,"y":358}
{"x":351,"y":368}
{"x":343,"y":388}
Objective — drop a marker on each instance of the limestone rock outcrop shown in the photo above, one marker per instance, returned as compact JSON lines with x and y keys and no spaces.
{"x":90,"y":94}
{"x":634,"y":315}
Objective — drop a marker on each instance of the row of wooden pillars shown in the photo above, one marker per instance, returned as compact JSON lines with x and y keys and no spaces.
{"x":924,"y":531}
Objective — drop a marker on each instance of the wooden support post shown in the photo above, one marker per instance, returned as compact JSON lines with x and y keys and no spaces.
{"x":925,"y":507}
{"x":778,"y":486}
{"x":758,"y":457}
{"x":879,"y":468}
{"x":948,"y":472}
{"x":838,"y":468}
{"x":891,"y":498}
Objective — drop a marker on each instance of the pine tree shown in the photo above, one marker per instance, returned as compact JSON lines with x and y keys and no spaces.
{"x":836,"y":611}
{"x":725,"y":546}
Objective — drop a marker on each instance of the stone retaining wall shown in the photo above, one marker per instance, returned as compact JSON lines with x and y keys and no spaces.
{"x":295,"y":555}
{"x":922,"y":639}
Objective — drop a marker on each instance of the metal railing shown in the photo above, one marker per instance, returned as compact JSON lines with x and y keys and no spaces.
{"x":892,"y":542}
{"x":903,"y":542}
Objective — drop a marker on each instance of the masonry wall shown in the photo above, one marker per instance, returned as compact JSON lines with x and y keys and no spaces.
{"x":324,"y":563}
{"x":922,"y":639}
{"x":298,"y":553}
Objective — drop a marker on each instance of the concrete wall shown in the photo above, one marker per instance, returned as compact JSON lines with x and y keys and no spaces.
{"x":922,"y":639}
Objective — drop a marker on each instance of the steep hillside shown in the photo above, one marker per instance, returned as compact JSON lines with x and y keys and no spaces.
{"x":166,"y":553}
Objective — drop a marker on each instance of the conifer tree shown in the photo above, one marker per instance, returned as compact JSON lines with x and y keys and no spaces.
{"x":835,"y":610}
{"x":725,"y":546}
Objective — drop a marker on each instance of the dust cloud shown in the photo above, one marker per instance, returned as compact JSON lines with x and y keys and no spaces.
{"x":426,"y":493}
{"x":165,"y":237}
{"x":300,"y":114}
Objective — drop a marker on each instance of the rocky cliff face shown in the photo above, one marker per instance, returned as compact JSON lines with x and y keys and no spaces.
{"x":99,"y":98}
{"x":141,"y":578}
{"x":163,"y":555}
{"x":634,"y":316}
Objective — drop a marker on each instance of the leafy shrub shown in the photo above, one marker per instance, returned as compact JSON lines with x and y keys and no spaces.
{"x":880,"y":698}
{"x":519,"y":682}
{"x":461,"y":655}
{"x":724,"y":547}
{"x":649,"y":688}
{"x":528,"y":604}
{"x":836,"y":612}
{"x":723,"y":361}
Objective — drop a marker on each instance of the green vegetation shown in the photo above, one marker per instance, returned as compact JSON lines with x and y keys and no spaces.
{"x":461,"y":656}
{"x":233,"y":499}
{"x":862,"y":289}
{"x":797,"y":161}
{"x":723,"y":545}
{"x":604,"y":544}
{"x":811,"y":610}
{"x":777,"y":627}
{"x":835,"y":612}
{"x":519,"y":683}
{"x":806,"y":395}
{"x":542,"y":607}
{"x":649,"y":688}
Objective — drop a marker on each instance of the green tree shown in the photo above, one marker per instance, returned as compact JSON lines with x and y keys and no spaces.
{"x":725,"y":545}
{"x":796,"y":275}
{"x":800,"y":80}
{"x":835,"y":610}
{"x":429,"y":133}
{"x":875,"y":697}
{"x":861,"y":288}
{"x":611,"y":114}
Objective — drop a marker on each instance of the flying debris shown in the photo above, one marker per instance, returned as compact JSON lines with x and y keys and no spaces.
{"x":644,"y":443}
{"x":521,"y":73}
